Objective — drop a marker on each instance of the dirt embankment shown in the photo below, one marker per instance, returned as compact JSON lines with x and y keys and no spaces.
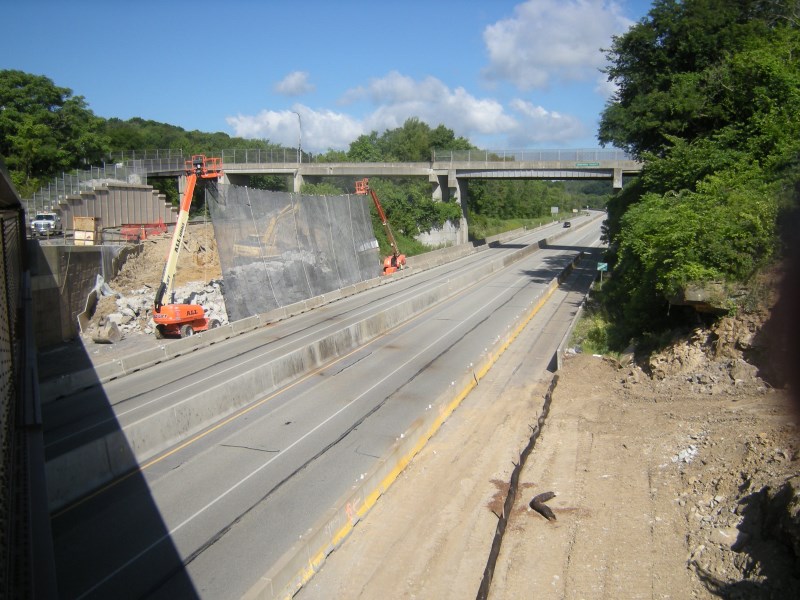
{"x":197,"y":261}
{"x":679,"y":478}
{"x":683,"y":484}
{"x":122,"y":319}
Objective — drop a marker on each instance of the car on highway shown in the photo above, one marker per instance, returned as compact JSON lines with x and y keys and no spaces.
{"x":567,"y":224}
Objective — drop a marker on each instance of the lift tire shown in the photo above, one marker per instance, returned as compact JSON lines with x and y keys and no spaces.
{"x":159,"y":332}
{"x":187,"y":331}
{"x":213,"y":324}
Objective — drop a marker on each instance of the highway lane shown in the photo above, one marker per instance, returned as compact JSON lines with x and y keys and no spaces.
{"x":212,"y":516}
{"x":84,"y":416}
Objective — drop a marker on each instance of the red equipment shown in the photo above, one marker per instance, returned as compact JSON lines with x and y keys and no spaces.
{"x":183,"y":320}
{"x":396,"y":260}
{"x":141,"y":231}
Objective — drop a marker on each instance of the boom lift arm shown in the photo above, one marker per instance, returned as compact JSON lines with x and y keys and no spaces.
{"x":396,"y":260}
{"x":182,"y":319}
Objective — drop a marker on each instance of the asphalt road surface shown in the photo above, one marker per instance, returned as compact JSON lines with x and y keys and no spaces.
{"x":208,"y":517}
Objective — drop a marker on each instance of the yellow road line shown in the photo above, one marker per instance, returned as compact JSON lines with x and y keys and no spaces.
{"x":318,"y":557}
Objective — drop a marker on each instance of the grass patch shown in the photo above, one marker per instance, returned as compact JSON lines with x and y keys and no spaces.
{"x":481,"y":227}
{"x":591,"y":334}
{"x":594,"y":333}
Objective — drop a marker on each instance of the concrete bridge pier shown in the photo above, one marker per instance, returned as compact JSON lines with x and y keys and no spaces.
{"x":440,"y":193}
{"x":235,"y":179}
{"x":460,"y":194}
{"x":447,"y":188}
{"x":297,"y":182}
{"x":617,"y":179}
{"x":181,"y":185}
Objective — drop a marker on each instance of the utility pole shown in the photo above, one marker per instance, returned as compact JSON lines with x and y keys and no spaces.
{"x":299,"y":138}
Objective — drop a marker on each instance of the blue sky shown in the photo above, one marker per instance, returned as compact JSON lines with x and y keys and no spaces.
{"x":503,"y":74}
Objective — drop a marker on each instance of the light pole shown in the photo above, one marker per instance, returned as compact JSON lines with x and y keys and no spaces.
{"x":299,"y":138}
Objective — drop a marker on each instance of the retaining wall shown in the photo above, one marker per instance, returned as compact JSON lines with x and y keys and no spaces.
{"x":61,"y":279}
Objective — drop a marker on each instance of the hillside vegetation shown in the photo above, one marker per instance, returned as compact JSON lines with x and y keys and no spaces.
{"x":709,"y":98}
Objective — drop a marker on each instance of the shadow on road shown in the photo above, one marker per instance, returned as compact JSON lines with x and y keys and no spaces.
{"x":111,"y":542}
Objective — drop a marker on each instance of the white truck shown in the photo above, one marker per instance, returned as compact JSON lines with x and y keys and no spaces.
{"x":46,"y":223}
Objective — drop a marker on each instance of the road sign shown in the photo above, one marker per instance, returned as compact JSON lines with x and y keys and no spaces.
{"x":602,"y":266}
{"x":592,"y":164}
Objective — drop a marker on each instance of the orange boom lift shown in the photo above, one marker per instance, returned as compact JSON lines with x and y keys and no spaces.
{"x":396,"y":260}
{"x":173,"y":319}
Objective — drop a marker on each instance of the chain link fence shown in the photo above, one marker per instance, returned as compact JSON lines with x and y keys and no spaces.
{"x":579,"y":156}
{"x":26,"y":560}
{"x":11,"y":357}
{"x":278,"y":248}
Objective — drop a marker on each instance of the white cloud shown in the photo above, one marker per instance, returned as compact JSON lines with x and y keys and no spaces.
{"x":538,"y":125}
{"x":605,"y":88}
{"x":321,"y":130}
{"x":548,"y":41}
{"x":396,"y":98}
{"x":399,"y":97}
{"x":294,"y":84}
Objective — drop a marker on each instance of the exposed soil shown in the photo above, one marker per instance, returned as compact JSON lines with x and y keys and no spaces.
{"x":134,"y":287}
{"x":198,"y":260}
{"x":676,"y":480}
{"x":665,"y":488}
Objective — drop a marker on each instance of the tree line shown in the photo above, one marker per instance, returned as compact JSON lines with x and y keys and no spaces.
{"x":708,"y":98}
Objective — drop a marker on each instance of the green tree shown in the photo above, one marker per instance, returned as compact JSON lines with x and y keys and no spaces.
{"x":44,"y":129}
{"x":323,"y":188}
{"x":413,"y":142}
{"x":668,"y":69}
{"x":409,"y":207}
{"x":709,"y":98}
{"x":445,"y":138}
{"x":365,"y":149}
{"x":409,"y":143}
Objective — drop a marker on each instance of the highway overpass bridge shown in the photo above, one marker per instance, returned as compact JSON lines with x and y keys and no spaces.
{"x":449,"y":171}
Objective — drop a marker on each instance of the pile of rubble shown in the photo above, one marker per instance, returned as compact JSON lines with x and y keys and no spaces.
{"x":119,"y":315}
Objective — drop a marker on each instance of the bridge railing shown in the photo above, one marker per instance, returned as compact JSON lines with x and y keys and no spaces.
{"x":134,"y":167}
{"x":578,"y":156}
{"x":164,"y":160}
{"x":48,"y":198}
